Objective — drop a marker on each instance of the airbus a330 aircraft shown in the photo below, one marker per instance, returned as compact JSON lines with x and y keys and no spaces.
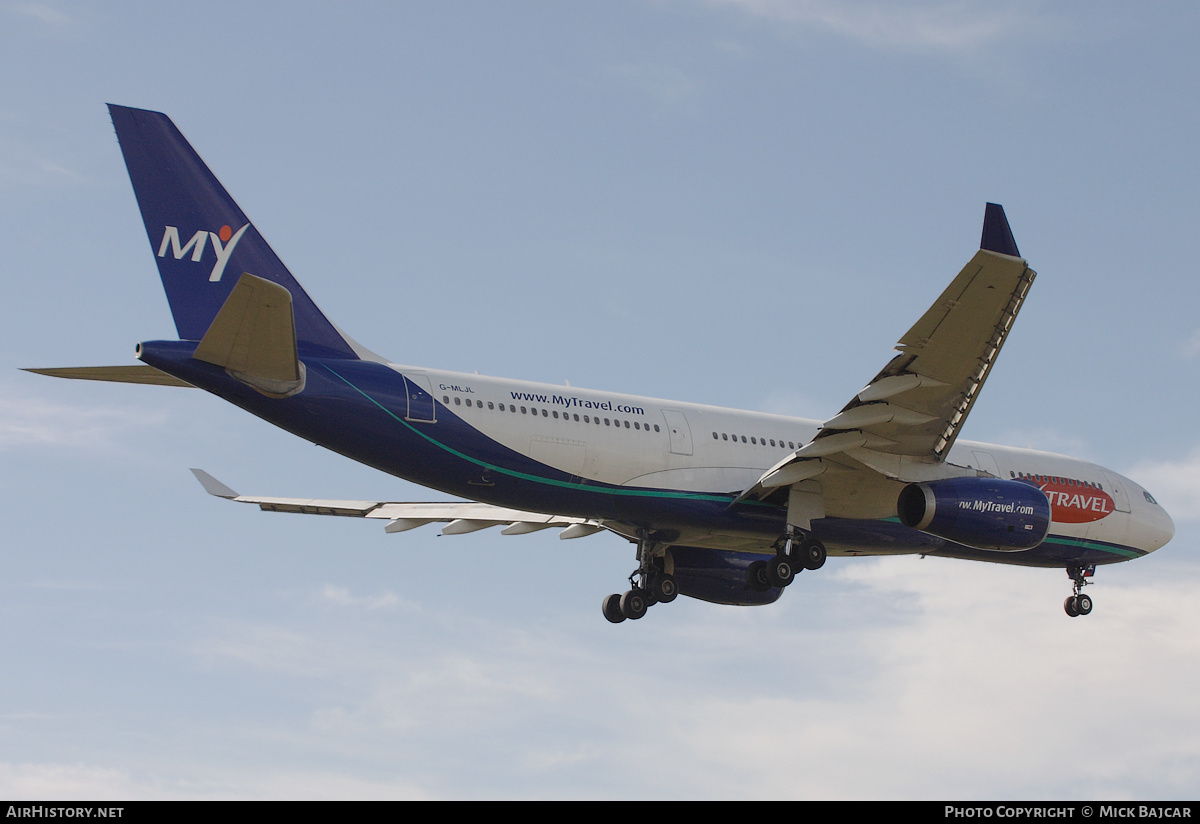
{"x":722,"y":505}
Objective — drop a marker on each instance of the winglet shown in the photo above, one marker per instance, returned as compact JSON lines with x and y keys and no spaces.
{"x":997,"y":236}
{"x":212,"y":486}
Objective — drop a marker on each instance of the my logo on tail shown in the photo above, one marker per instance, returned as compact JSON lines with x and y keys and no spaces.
{"x":223,"y":242}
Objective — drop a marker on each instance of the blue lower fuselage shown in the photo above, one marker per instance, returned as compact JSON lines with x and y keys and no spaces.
{"x":368,"y":411}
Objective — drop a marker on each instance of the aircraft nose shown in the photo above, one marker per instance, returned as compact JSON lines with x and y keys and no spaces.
{"x":1157,"y":527}
{"x":1166,"y":529}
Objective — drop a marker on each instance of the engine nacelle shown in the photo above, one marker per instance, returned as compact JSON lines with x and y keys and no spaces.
{"x":985,"y":513}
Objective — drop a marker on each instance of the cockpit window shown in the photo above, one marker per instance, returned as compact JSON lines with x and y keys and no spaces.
{"x":1149,"y":497}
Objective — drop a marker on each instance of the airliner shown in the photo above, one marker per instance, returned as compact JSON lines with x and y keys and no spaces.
{"x":723,"y":505}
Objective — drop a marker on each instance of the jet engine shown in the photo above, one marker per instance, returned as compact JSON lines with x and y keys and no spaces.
{"x":717,"y":576}
{"x":985,"y":513}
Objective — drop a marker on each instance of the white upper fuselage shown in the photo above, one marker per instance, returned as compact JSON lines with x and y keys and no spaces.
{"x":628,"y":440}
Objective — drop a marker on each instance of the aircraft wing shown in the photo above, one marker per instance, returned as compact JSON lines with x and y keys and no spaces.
{"x":909,"y":415}
{"x":460,"y":518}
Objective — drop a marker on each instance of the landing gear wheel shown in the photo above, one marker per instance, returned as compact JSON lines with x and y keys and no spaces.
{"x":756,"y":576}
{"x":611,"y":606}
{"x":633,"y":604}
{"x":1079,"y":604}
{"x":779,"y":571}
{"x":663,"y":588}
{"x":810,"y":554}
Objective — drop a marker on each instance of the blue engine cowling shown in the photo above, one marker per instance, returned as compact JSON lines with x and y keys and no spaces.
{"x":985,"y":513}
{"x":718,"y":576}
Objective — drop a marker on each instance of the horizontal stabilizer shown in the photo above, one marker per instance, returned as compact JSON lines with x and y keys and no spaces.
{"x":254,"y":337}
{"x":141,"y":373}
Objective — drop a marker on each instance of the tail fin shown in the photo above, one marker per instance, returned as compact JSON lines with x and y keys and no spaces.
{"x":202,"y":241}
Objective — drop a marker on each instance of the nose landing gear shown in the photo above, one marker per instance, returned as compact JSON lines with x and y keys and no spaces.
{"x":1078,"y":603}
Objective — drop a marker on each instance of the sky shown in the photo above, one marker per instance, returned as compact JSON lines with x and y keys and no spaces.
{"x":735,"y":202}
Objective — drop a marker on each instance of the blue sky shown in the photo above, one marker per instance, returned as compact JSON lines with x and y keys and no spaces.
{"x":736,"y":202}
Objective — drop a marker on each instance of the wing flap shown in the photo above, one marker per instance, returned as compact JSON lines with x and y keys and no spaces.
{"x":945,"y":359}
{"x":909,"y":415}
{"x":461,"y":518}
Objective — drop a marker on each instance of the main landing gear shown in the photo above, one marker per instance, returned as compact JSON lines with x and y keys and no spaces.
{"x":649,"y":584}
{"x":1078,"y":603}
{"x":652,"y":584}
{"x":794,"y":552}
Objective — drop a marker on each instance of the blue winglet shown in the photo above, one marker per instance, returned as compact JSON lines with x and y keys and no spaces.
{"x":997,"y":236}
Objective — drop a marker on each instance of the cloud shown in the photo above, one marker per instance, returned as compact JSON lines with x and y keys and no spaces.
{"x":875,"y":678}
{"x":796,"y":404}
{"x":1191,"y":348}
{"x":1045,"y":439}
{"x":23,"y":166}
{"x":886,"y":678}
{"x":85,"y":782}
{"x":946,"y":27}
{"x":666,"y":84}
{"x":970,"y":690}
{"x":1175,"y":484}
{"x":42,"y":12}
{"x":27,"y":419}
{"x":341,"y":596}
{"x":70,"y":781}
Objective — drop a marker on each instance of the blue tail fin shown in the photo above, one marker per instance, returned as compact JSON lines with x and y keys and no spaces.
{"x":201,"y":239}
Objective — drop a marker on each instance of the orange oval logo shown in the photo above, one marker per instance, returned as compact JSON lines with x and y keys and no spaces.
{"x":1074,"y":503}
